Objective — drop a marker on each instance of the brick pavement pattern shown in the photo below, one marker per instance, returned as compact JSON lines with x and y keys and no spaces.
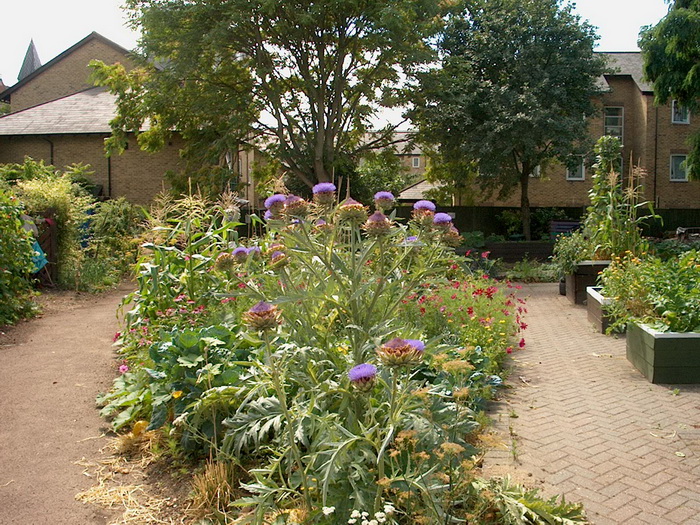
{"x":581,"y":421}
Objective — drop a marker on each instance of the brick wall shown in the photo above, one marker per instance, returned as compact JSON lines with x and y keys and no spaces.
{"x":68,"y":75}
{"x":649,"y":139}
{"x":135,"y":174}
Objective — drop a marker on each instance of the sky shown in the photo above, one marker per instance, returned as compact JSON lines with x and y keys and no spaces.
{"x":56,"y":25}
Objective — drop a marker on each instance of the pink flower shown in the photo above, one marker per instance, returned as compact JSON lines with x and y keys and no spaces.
{"x":509,"y":350}
{"x":521,"y":344}
{"x":123,"y":369}
{"x":116,"y":336}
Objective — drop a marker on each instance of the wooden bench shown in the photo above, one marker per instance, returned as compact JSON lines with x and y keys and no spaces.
{"x":560,"y":227}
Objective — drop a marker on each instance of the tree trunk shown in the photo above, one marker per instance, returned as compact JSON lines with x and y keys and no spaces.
{"x":525,"y":204}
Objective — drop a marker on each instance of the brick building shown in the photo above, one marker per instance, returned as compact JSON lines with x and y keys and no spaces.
{"x":654,"y":137}
{"x":58,"y":116}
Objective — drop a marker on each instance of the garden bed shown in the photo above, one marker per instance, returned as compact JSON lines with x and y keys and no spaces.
{"x":595,"y":305}
{"x":518,"y":250}
{"x":664,"y":357}
{"x":586,"y":275}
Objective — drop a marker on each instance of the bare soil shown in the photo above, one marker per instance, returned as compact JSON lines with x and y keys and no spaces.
{"x":51,"y":369}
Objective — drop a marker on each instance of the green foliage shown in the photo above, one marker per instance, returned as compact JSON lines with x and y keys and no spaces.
{"x":672,"y":248}
{"x":569,"y":250}
{"x":663,"y":294}
{"x":15,"y":262}
{"x":319,"y":70}
{"x":55,"y":194}
{"x":671,"y":52}
{"x":527,"y":271}
{"x":379,"y":171}
{"x":95,"y":241}
{"x":516,"y":78}
{"x":501,"y":501}
{"x":28,"y":170}
{"x":278,"y":397}
{"x":613,"y":220}
{"x":207,"y":99}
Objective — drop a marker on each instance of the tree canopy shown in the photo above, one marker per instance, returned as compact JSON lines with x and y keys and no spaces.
{"x":671,"y":51}
{"x":516,"y":80}
{"x":304,"y":76}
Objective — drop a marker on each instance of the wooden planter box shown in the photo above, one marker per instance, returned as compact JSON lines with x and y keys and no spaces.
{"x":594,"y":306}
{"x":664,"y":357}
{"x":517,"y":251}
{"x":586,"y":275}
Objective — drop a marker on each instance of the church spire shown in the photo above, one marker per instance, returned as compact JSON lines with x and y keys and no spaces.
{"x":31,"y":62}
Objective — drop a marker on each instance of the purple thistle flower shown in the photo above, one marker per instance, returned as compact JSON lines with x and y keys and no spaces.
{"x":424,"y":206}
{"x":295,"y":205}
{"x":263,"y":316}
{"x":442,"y":218}
{"x":324,"y":187}
{"x":442,"y":221}
{"x":401,"y":352}
{"x":275,"y":201}
{"x":411,"y":238}
{"x":377,"y":224}
{"x":362,"y":376}
{"x":324,"y":193}
{"x":268,"y":215}
{"x":384,"y":200}
{"x":240,"y":253}
{"x":254,"y":251}
{"x":417,"y":344}
{"x":383,"y":195}
{"x":362,"y":372}
{"x":262,"y":307}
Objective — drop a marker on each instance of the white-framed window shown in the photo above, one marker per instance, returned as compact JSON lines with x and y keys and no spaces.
{"x":679,"y":114}
{"x":614,"y":121}
{"x":416,"y":162}
{"x":577,"y":172}
{"x":678,"y":171}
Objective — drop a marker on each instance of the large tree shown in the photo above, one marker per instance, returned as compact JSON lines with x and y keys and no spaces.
{"x":308,"y":74}
{"x":516,"y":80}
{"x":671,"y":51}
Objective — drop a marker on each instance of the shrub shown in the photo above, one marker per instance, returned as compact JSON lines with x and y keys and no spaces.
{"x":569,"y":250}
{"x":15,"y":262}
{"x":69,"y":204}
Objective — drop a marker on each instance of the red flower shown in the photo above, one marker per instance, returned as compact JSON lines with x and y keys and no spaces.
{"x":521,"y":344}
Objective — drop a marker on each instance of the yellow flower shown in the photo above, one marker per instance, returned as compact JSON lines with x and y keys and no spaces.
{"x":177,"y":394}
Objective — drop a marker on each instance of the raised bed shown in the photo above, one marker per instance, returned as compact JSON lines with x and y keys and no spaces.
{"x":664,"y":357}
{"x":586,"y":275}
{"x":595,"y":304}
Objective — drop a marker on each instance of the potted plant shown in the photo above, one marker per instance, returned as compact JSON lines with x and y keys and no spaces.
{"x":659,"y":302}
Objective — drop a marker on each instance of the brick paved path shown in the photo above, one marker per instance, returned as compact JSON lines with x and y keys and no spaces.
{"x":579,"y":420}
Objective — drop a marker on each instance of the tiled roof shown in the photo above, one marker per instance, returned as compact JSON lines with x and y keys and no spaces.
{"x":416,"y":191}
{"x":630,"y":63}
{"x":86,"y":112}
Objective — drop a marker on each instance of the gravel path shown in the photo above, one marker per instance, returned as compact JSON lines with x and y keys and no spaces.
{"x":51,"y":369}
